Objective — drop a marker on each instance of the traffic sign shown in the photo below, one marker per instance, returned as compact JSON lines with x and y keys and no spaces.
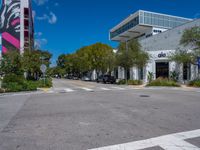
{"x":43,"y":68}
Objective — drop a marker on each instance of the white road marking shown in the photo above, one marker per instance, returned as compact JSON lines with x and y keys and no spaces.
{"x":118,"y":88}
{"x":167,"y":142}
{"x":105,"y":89}
{"x":51,"y":91}
{"x":132,"y":88}
{"x":86,"y":89}
{"x":68,"y":90}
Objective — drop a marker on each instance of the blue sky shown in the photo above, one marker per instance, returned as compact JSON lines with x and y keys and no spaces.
{"x":63,"y":26}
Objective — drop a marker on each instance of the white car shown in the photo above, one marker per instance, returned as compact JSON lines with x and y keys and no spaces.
{"x":85,"y":78}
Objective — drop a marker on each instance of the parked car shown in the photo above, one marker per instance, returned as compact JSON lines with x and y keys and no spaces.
{"x":57,"y":76}
{"x":106,"y":79}
{"x":86,"y":78}
{"x":68,"y":76}
{"x":75,"y":77}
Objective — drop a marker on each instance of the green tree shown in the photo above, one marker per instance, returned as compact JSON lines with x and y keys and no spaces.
{"x":84,"y":60}
{"x":61,"y":60}
{"x":12,"y":63}
{"x":129,"y":54}
{"x":101,"y":57}
{"x":190,"y":40}
{"x":32,"y":61}
{"x":191,"y":37}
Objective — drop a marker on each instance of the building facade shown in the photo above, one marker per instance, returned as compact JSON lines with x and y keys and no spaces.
{"x":159,"y":35}
{"x":16,"y":25}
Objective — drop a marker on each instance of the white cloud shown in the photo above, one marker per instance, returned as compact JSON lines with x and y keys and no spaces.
{"x":40,"y":2}
{"x":40,"y":42}
{"x":44,"y":17}
{"x":51,"y":18}
{"x":38,"y":34}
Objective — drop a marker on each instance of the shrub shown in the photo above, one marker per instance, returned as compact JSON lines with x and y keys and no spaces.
{"x":13,"y":87}
{"x":2,"y":90}
{"x":30,"y":86}
{"x":17,"y":83}
{"x":134,"y":82}
{"x":13,"y":78}
{"x":45,"y":84}
{"x":174,"y":76}
{"x":130,"y":82}
{"x":150,"y":76}
{"x":13,"y":83}
{"x":164,"y":82}
{"x":120,"y":82}
{"x":194,"y":83}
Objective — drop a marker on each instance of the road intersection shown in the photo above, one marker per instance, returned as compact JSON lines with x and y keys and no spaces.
{"x":78,"y":115}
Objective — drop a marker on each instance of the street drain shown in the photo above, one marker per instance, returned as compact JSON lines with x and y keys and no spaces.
{"x":144,"y":96}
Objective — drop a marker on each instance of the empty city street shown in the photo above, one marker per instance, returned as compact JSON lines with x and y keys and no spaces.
{"x":77,"y":115}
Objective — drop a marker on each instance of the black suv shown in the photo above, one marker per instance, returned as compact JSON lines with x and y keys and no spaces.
{"x":106,"y":79}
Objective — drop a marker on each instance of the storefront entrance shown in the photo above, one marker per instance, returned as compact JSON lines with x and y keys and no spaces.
{"x":162,"y":69}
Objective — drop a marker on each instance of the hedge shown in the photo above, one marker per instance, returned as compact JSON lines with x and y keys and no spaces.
{"x":163,"y":82}
{"x":130,"y":82}
{"x":17,"y":83}
{"x":195,"y":83}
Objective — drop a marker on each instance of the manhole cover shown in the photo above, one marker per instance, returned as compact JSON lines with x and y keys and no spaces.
{"x":144,"y":96}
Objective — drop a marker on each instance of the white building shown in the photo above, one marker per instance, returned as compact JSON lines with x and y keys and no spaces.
{"x":159,"y":35}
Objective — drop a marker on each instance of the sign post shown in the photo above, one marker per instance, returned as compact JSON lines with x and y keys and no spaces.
{"x":43,"y":68}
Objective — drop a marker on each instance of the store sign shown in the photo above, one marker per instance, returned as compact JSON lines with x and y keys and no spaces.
{"x":162,"y":55}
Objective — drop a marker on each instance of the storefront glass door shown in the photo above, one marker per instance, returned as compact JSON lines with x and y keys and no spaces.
{"x":162,"y":69}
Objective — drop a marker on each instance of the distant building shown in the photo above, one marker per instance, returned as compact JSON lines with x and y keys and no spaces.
{"x":16,"y":25}
{"x":159,"y":35}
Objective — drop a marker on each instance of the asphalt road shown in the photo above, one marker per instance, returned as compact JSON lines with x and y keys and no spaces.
{"x":91,"y":115}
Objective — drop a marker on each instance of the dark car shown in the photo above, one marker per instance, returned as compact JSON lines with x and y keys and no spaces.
{"x":75,"y":77}
{"x":57,"y":76}
{"x":106,"y":79}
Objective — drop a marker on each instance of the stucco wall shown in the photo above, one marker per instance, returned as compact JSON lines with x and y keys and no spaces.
{"x":168,"y":40}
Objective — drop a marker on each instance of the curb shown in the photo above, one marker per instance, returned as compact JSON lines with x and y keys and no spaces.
{"x":44,"y":89}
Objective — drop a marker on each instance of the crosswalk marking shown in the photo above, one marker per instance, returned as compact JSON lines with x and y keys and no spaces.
{"x":105,"y":89}
{"x":86,"y":89}
{"x":118,"y":88}
{"x":167,"y":142}
{"x":68,"y":90}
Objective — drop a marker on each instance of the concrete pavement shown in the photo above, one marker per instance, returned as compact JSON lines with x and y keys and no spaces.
{"x":84,"y":120}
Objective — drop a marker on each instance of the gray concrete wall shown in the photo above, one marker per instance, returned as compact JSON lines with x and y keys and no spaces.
{"x":168,"y":40}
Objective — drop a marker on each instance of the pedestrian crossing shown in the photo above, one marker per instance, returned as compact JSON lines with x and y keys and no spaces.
{"x":55,"y":90}
{"x":86,"y":89}
{"x":109,"y":88}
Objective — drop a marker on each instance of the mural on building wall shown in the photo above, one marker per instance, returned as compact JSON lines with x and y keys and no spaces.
{"x":10,"y":25}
